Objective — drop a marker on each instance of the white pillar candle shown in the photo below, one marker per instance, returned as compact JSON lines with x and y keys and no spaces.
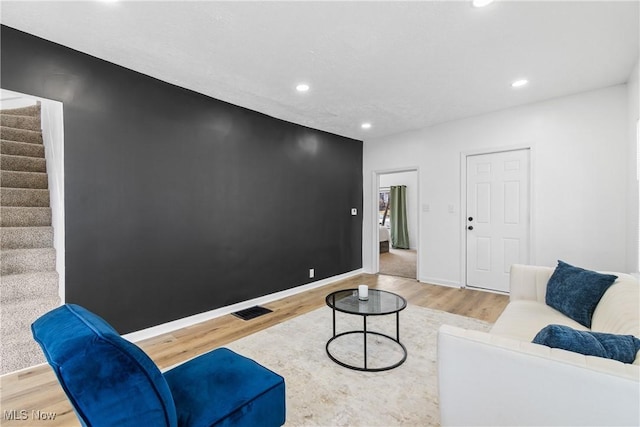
{"x":363,"y":292}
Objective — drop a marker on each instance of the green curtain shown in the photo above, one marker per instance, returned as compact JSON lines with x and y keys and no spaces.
{"x":399,"y":231}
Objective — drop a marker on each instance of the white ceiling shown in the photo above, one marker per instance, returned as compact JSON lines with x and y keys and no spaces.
{"x":398,"y":65}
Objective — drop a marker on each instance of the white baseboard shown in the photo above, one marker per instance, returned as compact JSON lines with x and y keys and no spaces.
{"x":23,"y":370}
{"x":493,"y":291}
{"x":202,"y":317}
{"x":441,"y":282}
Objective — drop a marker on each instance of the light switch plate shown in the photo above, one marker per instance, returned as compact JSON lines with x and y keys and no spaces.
{"x":354,"y":211}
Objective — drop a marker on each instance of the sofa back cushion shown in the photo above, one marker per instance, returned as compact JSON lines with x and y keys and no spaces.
{"x":618,"y":312}
{"x":529,"y":282}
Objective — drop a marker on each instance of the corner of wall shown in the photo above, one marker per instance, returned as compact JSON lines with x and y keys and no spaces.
{"x":633,"y":189}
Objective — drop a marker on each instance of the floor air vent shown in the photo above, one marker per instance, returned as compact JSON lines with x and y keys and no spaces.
{"x":251,"y":312}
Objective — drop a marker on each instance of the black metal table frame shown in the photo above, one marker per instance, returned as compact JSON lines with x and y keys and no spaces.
{"x":365,"y":332}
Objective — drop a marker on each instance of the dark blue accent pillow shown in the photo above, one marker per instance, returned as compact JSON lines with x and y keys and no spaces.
{"x":575,"y":292}
{"x":617,"y":347}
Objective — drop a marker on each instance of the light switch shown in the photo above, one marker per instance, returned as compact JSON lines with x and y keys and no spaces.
{"x":451,"y":210}
{"x":426,"y":208}
{"x":354,"y":211}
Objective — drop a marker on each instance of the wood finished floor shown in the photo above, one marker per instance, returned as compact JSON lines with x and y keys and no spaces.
{"x":37,"y":389}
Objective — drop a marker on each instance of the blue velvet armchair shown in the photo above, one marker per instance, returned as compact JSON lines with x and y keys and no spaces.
{"x":112,"y":382}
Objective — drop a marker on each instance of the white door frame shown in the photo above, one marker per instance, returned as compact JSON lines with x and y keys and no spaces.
{"x":375,"y":232}
{"x":463,"y":202}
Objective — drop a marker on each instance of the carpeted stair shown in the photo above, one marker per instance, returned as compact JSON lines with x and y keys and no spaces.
{"x":28,"y":274}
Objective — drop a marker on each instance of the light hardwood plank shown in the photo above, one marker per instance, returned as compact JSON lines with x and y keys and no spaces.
{"x":37,"y":389}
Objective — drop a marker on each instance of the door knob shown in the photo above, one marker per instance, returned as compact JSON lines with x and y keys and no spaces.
{"x":470,"y":227}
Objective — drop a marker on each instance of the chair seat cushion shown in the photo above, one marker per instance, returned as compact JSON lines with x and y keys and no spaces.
{"x":222,"y":388}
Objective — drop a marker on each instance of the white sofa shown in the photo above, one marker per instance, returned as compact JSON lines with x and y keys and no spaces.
{"x":501,"y":378}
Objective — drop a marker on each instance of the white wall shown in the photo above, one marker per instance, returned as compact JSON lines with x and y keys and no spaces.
{"x":53,"y":139}
{"x":633,"y":94}
{"x":410,"y":179}
{"x":579,"y":180}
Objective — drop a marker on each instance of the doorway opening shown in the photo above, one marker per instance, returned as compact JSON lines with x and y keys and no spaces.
{"x":397,"y":223}
{"x":52,"y":126}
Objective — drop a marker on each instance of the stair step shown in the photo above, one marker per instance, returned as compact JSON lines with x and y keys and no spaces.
{"x":20,"y":351}
{"x":26,"y":286}
{"x":23,"y":163}
{"x":20,"y":122}
{"x":19,"y":262}
{"x":18,"y":179}
{"x":24,"y":197}
{"x":20,"y":135}
{"x":27,"y":259}
{"x":14,"y":216}
{"x":26,"y":237}
{"x":18,"y":316}
{"x":31,"y":110}
{"x":14,"y":148}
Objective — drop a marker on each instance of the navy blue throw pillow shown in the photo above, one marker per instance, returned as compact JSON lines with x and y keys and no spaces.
{"x":575,"y":292}
{"x":617,"y":347}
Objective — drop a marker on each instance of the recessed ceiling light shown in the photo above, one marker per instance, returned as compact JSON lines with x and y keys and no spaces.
{"x":481,"y":3}
{"x":366,"y":126}
{"x":302,"y":87}
{"x":520,"y":83}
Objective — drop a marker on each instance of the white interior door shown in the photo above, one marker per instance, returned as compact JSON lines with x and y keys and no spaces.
{"x":498,"y":217}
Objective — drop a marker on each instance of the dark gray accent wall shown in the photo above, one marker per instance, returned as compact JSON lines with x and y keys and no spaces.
{"x":177,"y":203}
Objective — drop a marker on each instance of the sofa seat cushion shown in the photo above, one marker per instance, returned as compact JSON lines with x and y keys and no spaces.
{"x":523,"y":319}
{"x":212,"y":390}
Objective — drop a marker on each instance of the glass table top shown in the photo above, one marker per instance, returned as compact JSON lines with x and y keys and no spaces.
{"x":379,"y":302}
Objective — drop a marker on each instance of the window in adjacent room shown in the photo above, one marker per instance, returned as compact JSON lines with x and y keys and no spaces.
{"x":384,"y":208}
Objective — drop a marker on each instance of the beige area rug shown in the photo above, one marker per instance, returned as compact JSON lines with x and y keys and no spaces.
{"x":399,"y":262}
{"x":323,"y":393}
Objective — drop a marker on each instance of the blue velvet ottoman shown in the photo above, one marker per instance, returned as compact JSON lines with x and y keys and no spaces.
{"x":112,"y":382}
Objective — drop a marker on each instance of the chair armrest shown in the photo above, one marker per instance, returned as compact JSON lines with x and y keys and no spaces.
{"x":491,"y":380}
{"x":529,"y":282}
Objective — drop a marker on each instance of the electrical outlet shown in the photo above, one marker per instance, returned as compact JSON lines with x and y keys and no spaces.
{"x":354,"y":211}
{"x":311,"y":273}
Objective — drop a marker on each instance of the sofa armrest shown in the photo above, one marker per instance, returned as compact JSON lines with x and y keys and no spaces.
{"x":528,"y":282}
{"x":496,"y":381}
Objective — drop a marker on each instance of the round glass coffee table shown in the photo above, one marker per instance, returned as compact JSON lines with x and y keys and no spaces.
{"x":379,"y":303}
